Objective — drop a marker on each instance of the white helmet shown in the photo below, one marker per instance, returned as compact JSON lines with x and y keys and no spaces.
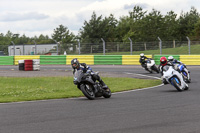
{"x":170,"y":58}
{"x":142,"y":54}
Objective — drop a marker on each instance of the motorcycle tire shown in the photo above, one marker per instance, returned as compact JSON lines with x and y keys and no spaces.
{"x":185,"y":77}
{"x":88,"y":91}
{"x":155,"y":69}
{"x":176,"y":85}
{"x":186,"y":88}
{"x":188,"y":80}
{"x":107,"y":94}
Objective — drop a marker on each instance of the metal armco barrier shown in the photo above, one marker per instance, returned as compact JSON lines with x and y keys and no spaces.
{"x":96,"y":59}
{"x":108,"y":60}
{"x":25,"y":57}
{"x":88,"y":59}
{"x":190,"y":59}
{"x":6,"y":60}
{"x":132,"y":59}
{"x":53,"y":59}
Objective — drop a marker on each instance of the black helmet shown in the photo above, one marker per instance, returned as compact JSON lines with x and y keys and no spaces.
{"x":75,"y":63}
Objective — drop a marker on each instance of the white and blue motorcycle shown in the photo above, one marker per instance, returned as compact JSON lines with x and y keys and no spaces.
{"x":184,"y":72}
{"x":174,"y":78}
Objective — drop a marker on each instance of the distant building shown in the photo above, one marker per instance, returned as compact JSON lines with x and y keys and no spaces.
{"x":41,"y":49}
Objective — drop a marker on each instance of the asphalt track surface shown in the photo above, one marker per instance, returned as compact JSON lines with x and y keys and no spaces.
{"x":155,"y":110}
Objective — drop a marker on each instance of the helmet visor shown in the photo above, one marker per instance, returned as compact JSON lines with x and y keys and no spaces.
{"x":74,"y":65}
{"x":163,"y":62}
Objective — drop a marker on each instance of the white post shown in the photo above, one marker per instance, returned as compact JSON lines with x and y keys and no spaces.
{"x":145,"y":46}
{"x":131,"y":46}
{"x":104,"y":46}
{"x":160,"y":45}
{"x":188,"y":44}
{"x":174,"y":43}
{"x":13,"y":47}
{"x":57,"y":45}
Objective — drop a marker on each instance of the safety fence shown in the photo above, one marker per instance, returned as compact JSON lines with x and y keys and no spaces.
{"x":96,"y":59}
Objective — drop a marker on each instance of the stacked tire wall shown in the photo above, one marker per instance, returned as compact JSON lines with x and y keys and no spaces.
{"x":21,"y":65}
{"x":36,"y":64}
{"x":28,"y":65}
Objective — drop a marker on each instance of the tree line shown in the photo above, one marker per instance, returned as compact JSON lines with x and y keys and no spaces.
{"x":139,"y":25}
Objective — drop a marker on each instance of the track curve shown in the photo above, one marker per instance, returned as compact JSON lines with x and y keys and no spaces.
{"x":158,"y":110}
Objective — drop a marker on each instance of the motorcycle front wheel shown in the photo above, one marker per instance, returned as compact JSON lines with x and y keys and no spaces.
{"x":88,"y":91}
{"x":176,"y":84}
{"x":188,"y":79}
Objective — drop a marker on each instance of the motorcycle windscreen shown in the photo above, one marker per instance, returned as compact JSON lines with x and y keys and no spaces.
{"x":165,"y":68}
{"x":78,"y":75}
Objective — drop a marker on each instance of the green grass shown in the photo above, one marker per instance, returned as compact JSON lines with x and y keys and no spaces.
{"x":38,"y":88}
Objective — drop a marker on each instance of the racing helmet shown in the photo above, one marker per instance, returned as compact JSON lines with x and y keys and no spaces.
{"x":142,"y":56}
{"x":75,"y":63}
{"x":163,"y":61}
{"x":170,"y":58}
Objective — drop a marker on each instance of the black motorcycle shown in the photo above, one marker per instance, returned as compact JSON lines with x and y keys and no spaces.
{"x":89,"y":86}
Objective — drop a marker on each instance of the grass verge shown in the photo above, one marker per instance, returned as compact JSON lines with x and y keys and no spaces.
{"x":14,"y":89}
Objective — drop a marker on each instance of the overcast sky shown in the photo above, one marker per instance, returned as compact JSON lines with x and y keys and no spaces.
{"x":35,"y":17}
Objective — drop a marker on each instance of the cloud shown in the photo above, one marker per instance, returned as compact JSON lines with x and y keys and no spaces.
{"x":142,"y":5}
{"x":35,"y":17}
{"x":22,"y":17}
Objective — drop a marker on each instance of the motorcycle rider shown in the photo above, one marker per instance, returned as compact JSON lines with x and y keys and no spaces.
{"x":143,"y":62}
{"x":86,"y":69}
{"x":174,"y":61}
{"x":163,"y":63}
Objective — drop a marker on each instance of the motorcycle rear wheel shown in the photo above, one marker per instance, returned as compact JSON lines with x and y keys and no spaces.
{"x":188,"y":80}
{"x":155,"y":69}
{"x":107,"y":94}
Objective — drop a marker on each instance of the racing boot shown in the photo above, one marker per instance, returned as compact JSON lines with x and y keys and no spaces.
{"x":164,"y":80}
{"x":104,"y":86}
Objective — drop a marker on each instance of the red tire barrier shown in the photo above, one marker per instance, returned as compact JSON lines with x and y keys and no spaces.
{"x":29,"y":65}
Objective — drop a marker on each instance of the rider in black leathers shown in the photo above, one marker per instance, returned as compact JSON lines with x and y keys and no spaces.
{"x":86,"y":69}
{"x":143,"y":61}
